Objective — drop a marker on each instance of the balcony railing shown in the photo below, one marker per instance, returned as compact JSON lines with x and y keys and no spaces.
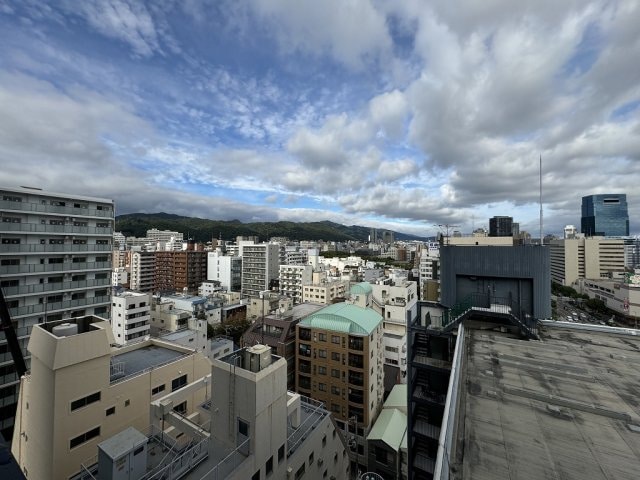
{"x":49,"y":287}
{"x":356,"y":361}
{"x":53,"y":306}
{"x":55,"y":229}
{"x":53,"y":267}
{"x":356,"y":343}
{"x":48,"y":248}
{"x":356,"y":379}
{"x":45,"y":208}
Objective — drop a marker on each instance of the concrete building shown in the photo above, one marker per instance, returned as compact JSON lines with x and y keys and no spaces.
{"x":120,"y":276}
{"x":605,"y":215}
{"x":143,"y":270}
{"x":164,"y":236}
{"x":130,"y":316}
{"x":260,"y":265}
{"x":397,"y":303}
{"x":292,"y":279}
{"x":621,"y":297}
{"x":182,"y":271}
{"x":325,"y":291}
{"x":501,"y":226}
{"x":194,"y":337}
{"x":55,"y":262}
{"x":81,"y":390}
{"x":225,"y":269}
{"x":592,"y":258}
{"x":545,"y":409}
{"x":570,"y":232}
{"x":340,"y":363}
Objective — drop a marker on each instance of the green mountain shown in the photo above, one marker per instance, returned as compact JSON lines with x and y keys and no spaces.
{"x":203,"y":230}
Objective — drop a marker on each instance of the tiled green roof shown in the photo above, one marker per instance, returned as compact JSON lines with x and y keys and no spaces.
{"x":344,"y":318}
{"x":361,"y":288}
{"x":390,"y":428}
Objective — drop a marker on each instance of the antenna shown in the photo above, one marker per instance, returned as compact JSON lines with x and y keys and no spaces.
{"x":446,"y":227}
{"x":541,"y":238}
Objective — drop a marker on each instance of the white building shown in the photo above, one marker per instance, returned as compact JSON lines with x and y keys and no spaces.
{"x":143,"y":269}
{"x":225,"y":269}
{"x":119,"y":276}
{"x":591,"y":258}
{"x":292,"y":279}
{"x":164,"y":236}
{"x":55,"y":262}
{"x":260,"y":265}
{"x":570,"y":231}
{"x":130,"y":316}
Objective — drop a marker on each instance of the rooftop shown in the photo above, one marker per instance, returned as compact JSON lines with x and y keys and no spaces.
{"x":361,"y":288}
{"x":345,"y":318}
{"x":141,"y":359}
{"x":563,"y":407}
{"x":390,"y":427}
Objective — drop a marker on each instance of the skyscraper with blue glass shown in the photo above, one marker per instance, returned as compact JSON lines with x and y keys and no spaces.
{"x":605,"y":215}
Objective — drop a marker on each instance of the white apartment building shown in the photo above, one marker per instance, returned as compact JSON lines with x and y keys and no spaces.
{"x":55,"y":262}
{"x":292,"y":279}
{"x":591,"y":258}
{"x":119,"y":276}
{"x":164,"y":236}
{"x":130,"y":316}
{"x":143,"y":270}
{"x":260,"y":265}
{"x":397,"y":303}
{"x":81,"y":391}
{"x":225,"y":269}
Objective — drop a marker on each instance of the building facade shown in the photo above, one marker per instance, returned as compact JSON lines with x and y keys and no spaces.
{"x":292,"y":279}
{"x":143,"y":271}
{"x":501,"y":226}
{"x":260,"y":265}
{"x":592,"y":258}
{"x":55,"y":262}
{"x":130,"y":316}
{"x":605,"y":215}
{"x":225,"y":269}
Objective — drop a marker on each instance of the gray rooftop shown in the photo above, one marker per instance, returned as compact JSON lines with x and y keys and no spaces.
{"x":136,"y":361}
{"x":566,"y":407}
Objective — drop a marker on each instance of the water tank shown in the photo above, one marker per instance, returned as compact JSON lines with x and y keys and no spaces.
{"x":65,"y":329}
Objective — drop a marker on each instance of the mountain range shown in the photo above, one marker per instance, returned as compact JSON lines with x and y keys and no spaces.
{"x":203,"y":230}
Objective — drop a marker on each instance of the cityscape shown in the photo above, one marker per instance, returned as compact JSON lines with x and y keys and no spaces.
{"x":246,"y":240}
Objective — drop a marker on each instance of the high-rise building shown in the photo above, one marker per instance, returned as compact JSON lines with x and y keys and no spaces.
{"x":55,"y":263}
{"x":143,"y":267}
{"x":260,"y":265}
{"x":605,"y":215}
{"x":340,"y":363}
{"x":292,"y":279}
{"x":180,"y":271}
{"x":593,"y":258}
{"x":501,"y":227}
{"x":225,"y":269}
{"x":130,"y":316}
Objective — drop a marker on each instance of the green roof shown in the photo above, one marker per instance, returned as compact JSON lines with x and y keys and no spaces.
{"x":397,"y":398}
{"x":390,"y":428}
{"x":344,"y":318}
{"x":361,"y":288}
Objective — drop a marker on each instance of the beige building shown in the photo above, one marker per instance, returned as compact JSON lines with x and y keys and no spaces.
{"x":479,"y":240}
{"x":340,"y":363}
{"x":623,"y":298}
{"x":292,"y":278}
{"x":325,"y":291}
{"x":81,"y":390}
{"x":143,"y":269}
{"x":592,"y":258}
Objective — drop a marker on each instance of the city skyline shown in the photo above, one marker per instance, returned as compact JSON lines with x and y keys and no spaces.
{"x":282,"y":110}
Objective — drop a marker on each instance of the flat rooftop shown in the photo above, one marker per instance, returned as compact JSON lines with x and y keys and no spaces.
{"x":141,"y":359}
{"x":565,"y":407}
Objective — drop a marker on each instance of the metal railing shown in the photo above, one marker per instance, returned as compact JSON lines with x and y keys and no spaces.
{"x":45,"y":208}
{"x":148,"y":369}
{"x":54,"y":248}
{"x":53,"y":267}
{"x":48,"y":287}
{"x":53,"y":306}
{"x":315,"y":414}
{"x":54,"y":229}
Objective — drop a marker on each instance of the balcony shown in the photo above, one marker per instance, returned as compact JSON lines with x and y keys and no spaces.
{"x":53,"y":229}
{"x":51,"y":307}
{"x":56,"y":209}
{"x":304,"y":367}
{"x":356,"y":379}
{"x":356,"y":396}
{"x":356,"y":361}
{"x":53,"y":267}
{"x":304,"y":350}
{"x":356,"y":343}
{"x":48,"y":248}
{"x":304,"y":334}
{"x":51,"y":287}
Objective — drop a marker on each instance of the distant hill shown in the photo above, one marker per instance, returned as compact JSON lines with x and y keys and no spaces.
{"x":203,"y":230}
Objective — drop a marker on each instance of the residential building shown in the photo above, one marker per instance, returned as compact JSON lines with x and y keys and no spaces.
{"x":605,"y":215}
{"x":632,"y":252}
{"x":325,"y":291}
{"x":164,"y":236}
{"x":182,"y":271}
{"x":260,"y":265}
{"x":81,"y":391}
{"x":120,"y":276}
{"x":143,"y":268}
{"x":194,"y":336}
{"x":278,"y":331}
{"x":130,"y":316}
{"x":292,"y":279}
{"x":340,"y":363}
{"x":501,"y":226}
{"x":225,"y":269}
{"x":592,"y":258}
{"x":221,"y":346}
{"x":55,"y":262}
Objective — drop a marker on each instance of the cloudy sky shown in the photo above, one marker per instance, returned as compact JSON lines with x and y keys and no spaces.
{"x":380,"y":113}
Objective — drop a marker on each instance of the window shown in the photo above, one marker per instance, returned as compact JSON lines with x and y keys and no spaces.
{"x":335,"y":373}
{"x":178,"y":383}
{"x":78,"y":241}
{"x":269,"y":465}
{"x":9,"y":283}
{"x":335,"y":390}
{"x":181,"y":408}
{"x":100,"y":276}
{"x":256,"y":476}
{"x":322,"y":370}
{"x":83,"y":438}
{"x":322,"y":337}
{"x":281,"y":453}
{"x":10,"y":241}
{"x":243,"y":428}
{"x":110,"y":411}
{"x":79,"y":259}
{"x":322,"y":387}
{"x":335,"y":356}
{"x":391,"y":349}
{"x":8,"y":198}
{"x":83,"y":402}
{"x":324,"y":440}
{"x":335,"y":339}
{"x":311,"y":459}
{"x":10,"y":261}
{"x":127,"y":402}
{"x":158,"y":389}
{"x":102,"y":242}
{"x":102,"y":225}
{"x":322,"y":353}
{"x":300,"y":472}
{"x":56,"y":241}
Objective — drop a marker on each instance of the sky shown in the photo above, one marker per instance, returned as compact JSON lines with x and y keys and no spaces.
{"x":402,"y":115}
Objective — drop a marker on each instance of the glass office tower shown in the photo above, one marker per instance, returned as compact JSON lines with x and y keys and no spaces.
{"x":605,"y":215}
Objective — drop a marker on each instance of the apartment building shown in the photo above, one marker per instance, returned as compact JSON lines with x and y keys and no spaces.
{"x":130,"y":316}
{"x":164,"y":236}
{"x":182,"y":271}
{"x":592,"y":258}
{"x":340,"y":363}
{"x":260,"y":265}
{"x":55,"y":262}
{"x":324,"y":291}
{"x":143,"y":271}
{"x":81,"y":391}
{"x":292,"y":279}
{"x":225,"y":269}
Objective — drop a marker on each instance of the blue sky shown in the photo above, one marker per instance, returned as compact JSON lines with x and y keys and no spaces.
{"x":398,"y":115}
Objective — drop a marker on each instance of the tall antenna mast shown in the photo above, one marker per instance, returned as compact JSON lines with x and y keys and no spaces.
{"x":541,"y":238}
